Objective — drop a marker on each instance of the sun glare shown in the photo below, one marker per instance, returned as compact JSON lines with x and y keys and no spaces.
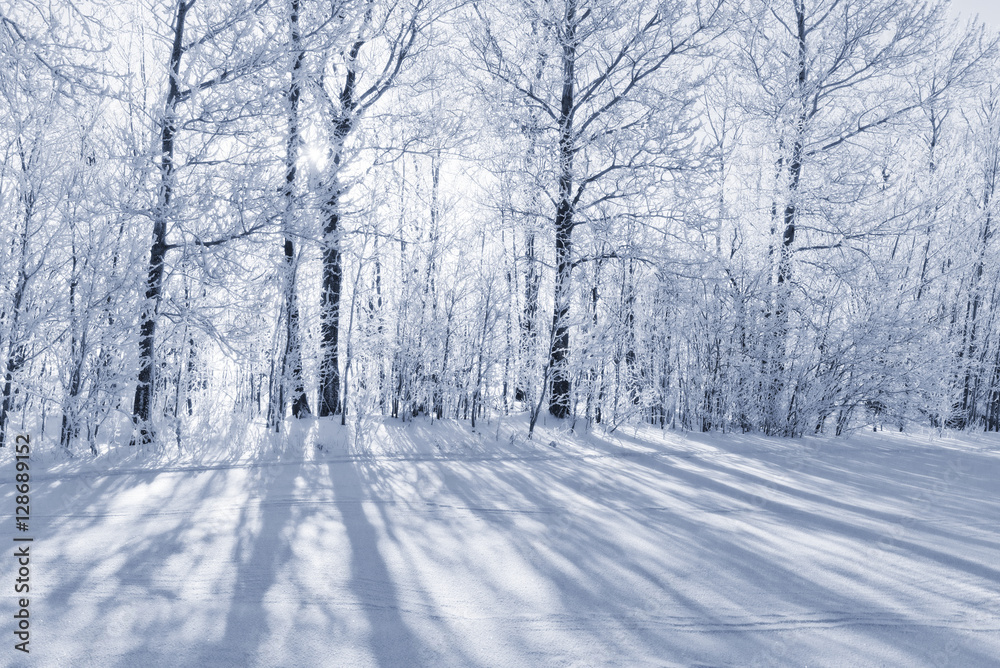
{"x":316,"y":155}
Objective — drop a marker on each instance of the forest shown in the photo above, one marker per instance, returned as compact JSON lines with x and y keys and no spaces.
{"x":750,"y":216}
{"x":493,"y":333}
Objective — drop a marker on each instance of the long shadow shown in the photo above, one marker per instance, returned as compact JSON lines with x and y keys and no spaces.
{"x":551,"y":487}
{"x":643,"y":612}
{"x":88,"y":504}
{"x":247,"y":621}
{"x":888,"y":517}
{"x":739,"y":563}
{"x":806,"y":518}
{"x":392,"y":643}
{"x":817,"y":468}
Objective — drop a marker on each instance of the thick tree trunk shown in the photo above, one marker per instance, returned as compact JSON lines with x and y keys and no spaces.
{"x":559,"y":398}
{"x":329,"y":396}
{"x":142,"y":404}
{"x":342,"y":125}
{"x":560,"y":385}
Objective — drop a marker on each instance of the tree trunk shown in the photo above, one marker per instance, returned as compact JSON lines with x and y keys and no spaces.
{"x":342,"y":125}
{"x":777,"y":422}
{"x":14,"y":357}
{"x":142,"y":404}
{"x":291,"y":361}
{"x":329,"y":397}
{"x":529,"y":321}
{"x":14,"y":353}
{"x":559,"y":347}
{"x":70,"y":428}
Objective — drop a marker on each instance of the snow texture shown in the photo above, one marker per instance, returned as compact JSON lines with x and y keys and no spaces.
{"x":431,"y":545}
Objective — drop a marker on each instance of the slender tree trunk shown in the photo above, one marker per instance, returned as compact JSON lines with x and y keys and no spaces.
{"x":593,"y":408}
{"x":510,"y":356}
{"x":480,"y":365}
{"x":14,"y":353}
{"x":631,"y":358}
{"x":14,"y":356}
{"x":437,"y":380}
{"x":70,"y":427}
{"x":778,"y":419}
{"x":968,"y":408}
{"x":936,"y":123}
{"x":349,"y":357}
{"x":291,"y":362}
{"x":379,"y":329}
{"x":529,"y":320}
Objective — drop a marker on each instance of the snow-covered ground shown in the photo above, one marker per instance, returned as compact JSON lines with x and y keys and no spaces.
{"x":430,"y":545}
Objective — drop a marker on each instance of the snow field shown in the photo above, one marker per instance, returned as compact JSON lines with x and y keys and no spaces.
{"x":428,"y":545}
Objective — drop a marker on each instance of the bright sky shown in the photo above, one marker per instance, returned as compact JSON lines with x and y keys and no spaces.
{"x":988,"y":10}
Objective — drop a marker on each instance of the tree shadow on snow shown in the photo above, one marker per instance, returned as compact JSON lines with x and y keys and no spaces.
{"x":390,"y":640}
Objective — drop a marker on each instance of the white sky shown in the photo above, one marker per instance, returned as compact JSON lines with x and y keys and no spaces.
{"x":988,"y":10}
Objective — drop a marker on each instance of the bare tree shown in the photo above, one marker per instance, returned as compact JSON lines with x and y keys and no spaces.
{"x":384,"y":40}
{"x":290,"y":377}
{"x":601,"y":63}
{"x":222,"y":34}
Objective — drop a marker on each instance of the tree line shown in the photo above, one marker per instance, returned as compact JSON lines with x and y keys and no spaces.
{"x":757,"y":215}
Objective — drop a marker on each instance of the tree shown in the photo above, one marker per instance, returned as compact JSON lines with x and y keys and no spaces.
{"x":830,"y":94}
{"x":290,"y":377}
{"x":227,"y":62}
{"x":600,"y":70}
{"x":39,"y":121}
{"x":384,"y":40}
